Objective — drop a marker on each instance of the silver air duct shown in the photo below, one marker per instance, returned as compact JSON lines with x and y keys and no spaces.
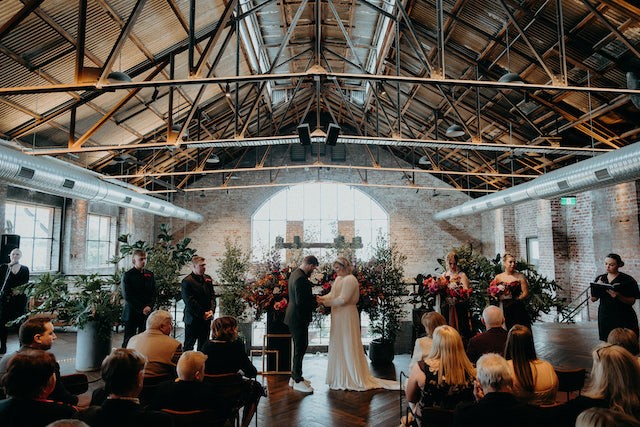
{"x":617,"y":166}
{"x":64,"y":179}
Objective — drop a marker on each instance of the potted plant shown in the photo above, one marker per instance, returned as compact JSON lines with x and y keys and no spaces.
{"x":91,"y":303}
{"x":386,"y":273}
{"x":232,"y":271}
{"x":94,"y":307}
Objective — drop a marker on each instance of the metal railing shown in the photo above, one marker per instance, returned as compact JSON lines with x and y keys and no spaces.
{"x":576,"y":306}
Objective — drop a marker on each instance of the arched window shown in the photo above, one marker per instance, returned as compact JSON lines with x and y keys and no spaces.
{"x":317,"y":213}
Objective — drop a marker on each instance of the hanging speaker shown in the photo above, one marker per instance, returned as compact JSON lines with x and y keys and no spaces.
{"x":332,"y":134}
{"x":633,"y":82}
{"x":304,"y":134}
{"x":8,"y":242}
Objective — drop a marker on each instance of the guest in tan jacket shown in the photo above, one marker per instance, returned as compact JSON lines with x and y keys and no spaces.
{"x":161,"y":351}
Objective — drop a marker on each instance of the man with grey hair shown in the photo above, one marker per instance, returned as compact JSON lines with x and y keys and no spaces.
{"x":491,"y":341}
{"x":495,"y":405}
{"x":161,"y":350}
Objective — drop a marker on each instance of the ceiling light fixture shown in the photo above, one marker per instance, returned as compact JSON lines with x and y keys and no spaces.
{"x":424,"y":160}
{"x":454,"y":131}
{"x":118,"y":77}
{"x":213,"y":159}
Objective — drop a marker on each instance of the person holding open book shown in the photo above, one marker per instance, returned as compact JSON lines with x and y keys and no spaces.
{"x":617,"y":293}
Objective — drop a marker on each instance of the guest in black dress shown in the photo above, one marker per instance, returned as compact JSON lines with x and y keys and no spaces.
{"x":616,"y":305}
{"x":227,"y":366}
{"x":444,"y":378}
{"x":12,"y":303}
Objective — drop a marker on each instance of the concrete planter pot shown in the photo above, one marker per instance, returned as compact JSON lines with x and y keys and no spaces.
{"x":91,"y":348}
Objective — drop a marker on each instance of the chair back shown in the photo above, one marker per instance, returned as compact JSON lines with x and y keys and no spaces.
{"x":75,"y":383}
{"x":198,"y":418}
{"x":436,"y":417}
{"x":150,"y":386}
{"x":571,"y":380}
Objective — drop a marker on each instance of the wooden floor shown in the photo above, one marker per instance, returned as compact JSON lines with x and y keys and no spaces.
{"x":561,"y":344}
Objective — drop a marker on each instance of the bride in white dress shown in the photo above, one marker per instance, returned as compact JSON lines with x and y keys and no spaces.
{"x":348,"y":368}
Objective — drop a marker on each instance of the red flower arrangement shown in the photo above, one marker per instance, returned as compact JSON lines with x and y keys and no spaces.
{"x":434,"y":285}
{"x":370,"y":296}
{"x":269,"y":292}
{"x":501,"y":290}
{"x":455,"y":289}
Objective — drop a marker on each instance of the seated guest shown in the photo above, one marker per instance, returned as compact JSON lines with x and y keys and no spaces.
{"x":496,"y":405}
{"x":625,"y":338}
{"x":68,"y":423}
{"x":189,"y":392}
{"x":601,"y":417}
{"x":161,"y":351}
{"x":430,"y":321}
{"x":534,"y":380}
{"x":491,"y":341}
{"x":445,"y":378}
{"x":226,"y":359}
{"x":615,"y":384}
{"x":122,"y":374}
{"x":30,"y":378}
{"x":36,"y":333}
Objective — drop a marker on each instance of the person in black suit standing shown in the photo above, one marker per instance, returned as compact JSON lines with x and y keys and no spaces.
{"x":199,"y":304}
{"x":138,"y":287}
{"x":298,"y":316}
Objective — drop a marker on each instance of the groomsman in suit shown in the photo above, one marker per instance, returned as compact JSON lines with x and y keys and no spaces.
{"x":138,"y":289}
{"x":199,"y":304}
{"x":298,"y":316}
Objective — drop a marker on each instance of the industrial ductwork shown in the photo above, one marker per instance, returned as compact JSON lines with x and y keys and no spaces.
{"x":64,"y":179}
{"x":617,"y":166}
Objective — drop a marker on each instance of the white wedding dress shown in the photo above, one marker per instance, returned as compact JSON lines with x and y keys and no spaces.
{"x":348,"y":368}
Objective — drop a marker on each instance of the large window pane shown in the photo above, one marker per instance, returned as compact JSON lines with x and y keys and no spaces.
{"x":100,"y":241}
{"x":34,"y":224}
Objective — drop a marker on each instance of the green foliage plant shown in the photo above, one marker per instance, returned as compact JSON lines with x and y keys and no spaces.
{"x":165,"y":259}
{"x":386,"y":271}
{"x":232,"y":271}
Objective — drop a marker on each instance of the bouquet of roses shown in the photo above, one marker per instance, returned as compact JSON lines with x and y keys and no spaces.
{"x":269,"y":292}
{"x":455,"y":289}
{"x":435,"y":285}
{"x":324,"y":277}
{"x":501,"y":290}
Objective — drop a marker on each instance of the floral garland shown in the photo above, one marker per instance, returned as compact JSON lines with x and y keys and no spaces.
{"x":269,"y":292}
{"x":498,"y":290}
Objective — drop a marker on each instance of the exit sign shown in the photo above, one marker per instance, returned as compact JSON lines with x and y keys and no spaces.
{"x":568,"y":201}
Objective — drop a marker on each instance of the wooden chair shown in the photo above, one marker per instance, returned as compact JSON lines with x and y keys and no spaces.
{"x":431,"y":417}
{"x":75,"y":383}
{"x":150,"y":385}
{"x":571,"y":380}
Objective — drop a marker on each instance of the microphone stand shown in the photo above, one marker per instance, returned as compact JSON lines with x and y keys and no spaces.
{"x":4,"y":285}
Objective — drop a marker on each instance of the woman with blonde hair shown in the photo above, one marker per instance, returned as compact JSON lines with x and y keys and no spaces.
{"x":534,"y":380}
{"x":516,"y":289}
{"x":347,"y":367}
{"x":601,"y":417}
{"x":445,"y":378}
{"x":456,"y":308}
{"x":615,"y":384}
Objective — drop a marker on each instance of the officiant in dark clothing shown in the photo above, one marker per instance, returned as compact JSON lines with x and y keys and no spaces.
{"x":199,"y":304}
{"x":616,"y":304}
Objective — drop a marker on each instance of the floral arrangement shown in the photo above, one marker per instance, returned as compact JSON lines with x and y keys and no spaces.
{"x":498,"y":290}
{"x":370,"y":295}
{"x":455,"y":289}
{"x":269,"y":292}
{"x":434,"y":285}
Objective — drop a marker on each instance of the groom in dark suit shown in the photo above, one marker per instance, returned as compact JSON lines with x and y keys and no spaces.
{"x":298,"y":317}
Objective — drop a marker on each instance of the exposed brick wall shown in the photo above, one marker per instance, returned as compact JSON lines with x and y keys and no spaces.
{"x":574,"y":240}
